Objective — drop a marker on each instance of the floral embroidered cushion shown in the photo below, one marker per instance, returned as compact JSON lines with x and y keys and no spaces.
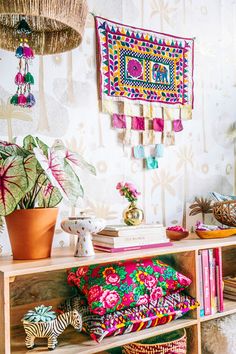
{"x":126,"y":284}
{"x":167,"y":308}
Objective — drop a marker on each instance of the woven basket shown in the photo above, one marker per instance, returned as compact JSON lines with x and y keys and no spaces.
{"x":225,"y":212}
{"x":176,"y":345}
{"x":57,"y":26}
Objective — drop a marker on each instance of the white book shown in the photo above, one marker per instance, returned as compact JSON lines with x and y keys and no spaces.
{"x":133,"y":240}
{"x":127,"y":227}
{"x":124,"y":230}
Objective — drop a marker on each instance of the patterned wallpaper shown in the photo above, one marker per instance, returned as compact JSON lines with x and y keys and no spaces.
{"x":203,"y":158}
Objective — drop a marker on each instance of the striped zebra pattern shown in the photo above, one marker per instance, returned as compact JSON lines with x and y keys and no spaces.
{"x":52,"y":329}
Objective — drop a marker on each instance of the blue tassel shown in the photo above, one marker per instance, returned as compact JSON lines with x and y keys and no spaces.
{"x":19,"y":52}
{"x":30,"y":100}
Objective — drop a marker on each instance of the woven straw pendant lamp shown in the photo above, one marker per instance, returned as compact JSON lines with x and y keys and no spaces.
{"x":57,"y":25}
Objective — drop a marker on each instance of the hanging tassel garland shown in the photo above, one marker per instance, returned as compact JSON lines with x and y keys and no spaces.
{"x":28,"y":53}
{"x":29,"y":79}
{"x":19,"y":52}
{"x":14,"y":99}
{"x":23,"y":27}
{"x":24,"y":79}
{"x":19,"y":79}
{"x":30,"y":100}
{"x":22,"y":100}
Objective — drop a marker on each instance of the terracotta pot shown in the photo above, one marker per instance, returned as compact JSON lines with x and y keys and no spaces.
{"x":31,"y":232}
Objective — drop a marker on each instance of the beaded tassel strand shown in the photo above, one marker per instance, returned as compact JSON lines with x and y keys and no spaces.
{"x":23,"y":79}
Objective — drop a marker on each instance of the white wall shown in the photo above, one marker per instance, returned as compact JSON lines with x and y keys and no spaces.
{"x":203,"y":158}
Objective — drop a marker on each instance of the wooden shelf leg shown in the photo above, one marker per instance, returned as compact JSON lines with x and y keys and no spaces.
{"x":5,"y":344}
{"x":194,"y":339}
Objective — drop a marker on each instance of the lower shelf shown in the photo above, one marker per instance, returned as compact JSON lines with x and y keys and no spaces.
{"x":72,"y":343}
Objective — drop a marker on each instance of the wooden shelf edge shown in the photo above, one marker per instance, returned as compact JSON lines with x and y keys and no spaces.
{"x":80,"y":344}
{"x":230,"y":308}
{"x":63,"y":258}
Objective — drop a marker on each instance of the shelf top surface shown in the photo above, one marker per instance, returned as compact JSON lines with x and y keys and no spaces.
{"x":62,"y":258}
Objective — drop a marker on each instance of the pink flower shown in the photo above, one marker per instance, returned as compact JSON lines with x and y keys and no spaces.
{"x":129,"y":185}
{"x":127,"y":299}
{"x":156,"y":293}
{"x":184,"y":281}
{"x":77,"y":282}
{"x":176,"y":228}
{"x":94,"y":293}
{"x":119,"y":185}
{"x":110,"y":298}
{"x":113,"y":279}
{"x":160,"y":270}
{"x":81,"y":271}
{"x":171,"y":284}
{"x":134,"y":68}
{"x":135,"y":193}
{"x":99,"y":310}
{"x":71,"y":278}
{"x":128,"y":190}
{"x":143,"y":299}
{"x":150,"y":281}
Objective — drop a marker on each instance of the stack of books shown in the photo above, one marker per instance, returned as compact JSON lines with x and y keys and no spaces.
{"x":210,"y":281}
{"x":120,"y":238}
{"x":230,"y":288}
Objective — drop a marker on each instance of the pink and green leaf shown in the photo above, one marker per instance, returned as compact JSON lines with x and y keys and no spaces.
{"x":13,"y":184}
{"x":9,"y":149}
{"x":30,"y":165}
{"x":30,"y":143}
{"x":60,"y":174}
{"x":73,"y":158}
{"x":76,"y":159}
{"x":49,"y":196}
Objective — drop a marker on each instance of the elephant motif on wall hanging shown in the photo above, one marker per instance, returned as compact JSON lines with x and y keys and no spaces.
{"x":160,"y":73}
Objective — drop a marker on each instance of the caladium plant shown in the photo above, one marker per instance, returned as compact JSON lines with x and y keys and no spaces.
{"x":36,"y":175}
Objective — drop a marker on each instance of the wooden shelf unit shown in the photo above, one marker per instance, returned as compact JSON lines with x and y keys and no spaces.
{"x":25,"y":284}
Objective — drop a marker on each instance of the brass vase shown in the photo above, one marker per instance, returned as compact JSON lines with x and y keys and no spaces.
{"x":133,"y":215}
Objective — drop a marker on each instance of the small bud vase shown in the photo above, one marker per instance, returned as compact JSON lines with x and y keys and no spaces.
{"x":132,"y":215}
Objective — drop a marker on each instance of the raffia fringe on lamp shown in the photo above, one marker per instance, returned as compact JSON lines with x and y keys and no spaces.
{"x":57,"y":25}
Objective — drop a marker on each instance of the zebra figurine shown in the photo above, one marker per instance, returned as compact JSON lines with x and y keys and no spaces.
{"x":51,"y":329}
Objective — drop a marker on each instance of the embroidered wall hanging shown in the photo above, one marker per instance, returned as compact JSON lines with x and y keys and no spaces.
{"x":144,"y":75}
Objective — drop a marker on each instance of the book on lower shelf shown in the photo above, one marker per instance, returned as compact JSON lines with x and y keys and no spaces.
{"x":210,"y":282}
{"x":129,"y":248}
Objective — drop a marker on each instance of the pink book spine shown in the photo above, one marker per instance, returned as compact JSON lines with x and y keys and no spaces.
{"x":219,"y":280}
{"x":206,"y":282}
{"x":132,"y":248}
{"x":212,"y":270}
